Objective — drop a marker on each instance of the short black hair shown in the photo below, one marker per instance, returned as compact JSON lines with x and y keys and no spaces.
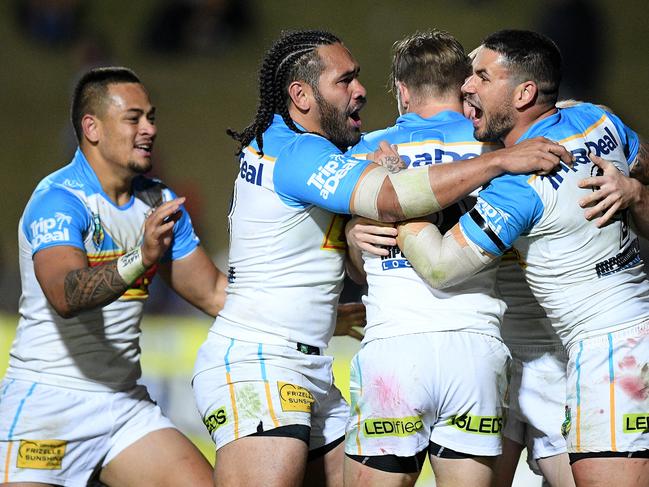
{"x":91,"y":90}
{"x":529,"y":56}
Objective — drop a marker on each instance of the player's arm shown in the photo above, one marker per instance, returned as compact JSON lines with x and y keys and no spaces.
{"x":363,"y":234}
{"x":71,"y":286}
{"x":349,"y":317}
{"x":386,"y":196}
{"x":613,"y":191}
{"x":441,"y":260}
{"x":197,"y":280}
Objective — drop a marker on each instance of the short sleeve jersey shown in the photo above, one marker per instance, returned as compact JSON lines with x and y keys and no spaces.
{"x":398,"y":301}
{"x":588,"y":279}
{"x":99,"y":348}
{"x":287,"y":240}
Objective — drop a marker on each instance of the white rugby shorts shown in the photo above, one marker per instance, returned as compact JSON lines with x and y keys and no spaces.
{"x":444,"y":387}
{"x":608,"y":392}
{"x":60,"y":436}
{"x":242,"y":388}
{"x":537,"y":400}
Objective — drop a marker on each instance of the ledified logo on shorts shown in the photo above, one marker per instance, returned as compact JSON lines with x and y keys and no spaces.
{"x":215,"y":419}
{"x":294,"y":398}
{"x":478,"y":425}
{"x":406,"y":426}
{"x":41,"y":454}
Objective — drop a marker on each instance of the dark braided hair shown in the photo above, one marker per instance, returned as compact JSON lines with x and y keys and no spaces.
{"x":292,"y":57}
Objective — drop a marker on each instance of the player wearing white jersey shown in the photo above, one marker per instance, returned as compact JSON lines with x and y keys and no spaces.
{"x":91,"y":238}
{"x":439,"y":351}
{"x":262,"y":386}
{"x":589,"y":280}
{"x":537,"y":383}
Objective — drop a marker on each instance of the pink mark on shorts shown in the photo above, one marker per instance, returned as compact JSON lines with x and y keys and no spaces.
{"x":627,"y":362}
{"x":635,"y":387}
{"x":387,"y":393}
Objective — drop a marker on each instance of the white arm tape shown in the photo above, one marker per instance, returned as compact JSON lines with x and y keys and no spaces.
{"x":411,"y":186}
{"x":441,"y":261}
{"x":130,"y":265}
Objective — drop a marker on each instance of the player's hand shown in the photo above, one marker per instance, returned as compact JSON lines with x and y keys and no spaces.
{"x":349,"y":317}
{"x":158,"y":230}
{"x":538,"y":155}
{"x":612,"y":192}
{"x":370,"y":236}
{"x":388,"y":157}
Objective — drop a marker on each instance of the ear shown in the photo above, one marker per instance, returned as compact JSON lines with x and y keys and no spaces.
{"x":525,"y":94}
{"x":90,"y":127}
{"x":301,"y":95}
{"x":403,"y":95}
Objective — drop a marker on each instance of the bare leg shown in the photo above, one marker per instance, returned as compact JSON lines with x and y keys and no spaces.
{"x":556,"y":470}
{"x":611,"y":472}
{"x":327,"y":470}
{"x":506,"y":463}
{"x":465,"y":472}
{"x":357,"y":474}
{"x":163,"y":458}
{"x":270,"y":461}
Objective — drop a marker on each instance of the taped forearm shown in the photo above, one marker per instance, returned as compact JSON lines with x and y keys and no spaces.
{"x":440,"y":261}
{"x":412,"y":192}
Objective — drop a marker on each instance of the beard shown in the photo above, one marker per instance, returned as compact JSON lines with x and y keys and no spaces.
{"x":140,"y":168}
{"x":497,"y":125}
{"x":334,"y":124}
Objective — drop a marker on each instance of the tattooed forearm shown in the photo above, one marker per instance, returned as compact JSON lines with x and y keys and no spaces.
{"x":92,"y":287}
{"x":640,"y":170}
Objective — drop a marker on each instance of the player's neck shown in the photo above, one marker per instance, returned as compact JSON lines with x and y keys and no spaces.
{"x":430,"y":108}
{"x":525,"y":120}
{"x":115,"y":181}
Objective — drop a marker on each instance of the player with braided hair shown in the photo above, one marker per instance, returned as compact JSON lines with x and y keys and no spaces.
{"x":262,"y":385}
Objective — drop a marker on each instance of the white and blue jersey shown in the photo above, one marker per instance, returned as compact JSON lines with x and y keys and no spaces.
{"x":287,"y":243}
{"x":99,"y":348}
{"x":399,"y":302}
{"x":589,"y":280}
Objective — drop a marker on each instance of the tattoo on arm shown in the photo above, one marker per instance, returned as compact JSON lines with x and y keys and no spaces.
{"x":640,"y":170}
{"x":393,"y":164}
{"x":92,"y":287}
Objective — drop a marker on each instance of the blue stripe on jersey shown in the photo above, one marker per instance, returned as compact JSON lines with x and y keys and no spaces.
{"x":312,"y":170}
{"x":6,"y":388}
{"x":262,"y":363}
{"x":19,"y":410}
{"x":509,"y":206}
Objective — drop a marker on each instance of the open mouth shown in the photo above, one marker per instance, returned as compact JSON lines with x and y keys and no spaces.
{"x":144,"y":148}
{"x":472,"y":111}
{"x":356,"y":118}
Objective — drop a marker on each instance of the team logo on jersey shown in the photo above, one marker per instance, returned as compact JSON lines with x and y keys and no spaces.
{"x":328,"y":176}
{"x":567,"y":423}
{"x":406,"y":426}
{"x":97,"y":231}
{"x":294,"y":398}
{"x":477,"y":425}
{"x":72,"y":183}
{"x":215,"y":419}
{"x":45,"y":230}
{"x":41,"y":454}
{"x":628,"y":257}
